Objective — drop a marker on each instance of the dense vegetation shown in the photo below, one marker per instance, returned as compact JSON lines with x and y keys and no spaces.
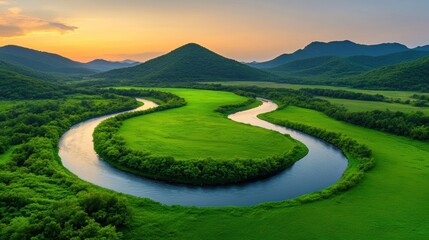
{"x":333,"y":68}
{"x":206,"y":171}
{"x":405,"y":76}
{"x":188,"y":63}
{"x":343,"y":94}
{"x":17,"y":86}
{"x":38,"y":199}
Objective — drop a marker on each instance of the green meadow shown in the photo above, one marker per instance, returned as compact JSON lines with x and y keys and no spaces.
{"x":196,"y":131}
{"x":361,"y":106}
{"x":390,"y":203}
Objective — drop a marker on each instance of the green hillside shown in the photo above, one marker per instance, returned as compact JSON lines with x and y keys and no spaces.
{"x":331,"y":68}
{"x":321,"y":66}
{"x":412,"y":75}
{"x":18,"y":86}
{"x":41,"y":61}
{"x":188,"y":63}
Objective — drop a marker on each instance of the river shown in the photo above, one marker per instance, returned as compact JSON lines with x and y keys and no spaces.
{"x":321,"y":167}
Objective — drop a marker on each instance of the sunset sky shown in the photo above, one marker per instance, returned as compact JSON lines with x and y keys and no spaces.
{"x":245,"y":30}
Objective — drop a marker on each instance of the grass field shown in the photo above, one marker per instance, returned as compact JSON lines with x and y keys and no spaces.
{"x":402,"y":95}
{"x":195,"y":131}
{"x":361,"y":106}
{"x":391,"y":202}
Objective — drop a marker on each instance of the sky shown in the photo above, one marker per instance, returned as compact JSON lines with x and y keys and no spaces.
{"x":245,"y":30}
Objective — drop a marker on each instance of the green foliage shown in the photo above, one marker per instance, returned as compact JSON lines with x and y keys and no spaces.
{"x":38,"y":199}
{"x":17,"y":86}
{"x":233,"y":108}
{"x":404,"y":76}
{"x":343,"y":94}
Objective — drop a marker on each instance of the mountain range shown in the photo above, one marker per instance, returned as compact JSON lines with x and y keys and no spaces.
{"x":54,"y":63}
{"x":387,"y":66}
{"x":335,"y":48}
{"x":331,"y":67}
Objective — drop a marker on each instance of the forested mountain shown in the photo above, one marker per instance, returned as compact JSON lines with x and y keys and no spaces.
{"x":18,"y":86}
{"x":332,"y":67}
{"x":41,"y":61}
{"x":190,"y":62}
{"x":412,"y":75}
{"x":336,"y":48}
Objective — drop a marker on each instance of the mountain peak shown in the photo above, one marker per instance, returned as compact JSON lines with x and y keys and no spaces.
{"x":189,"y":63}
{"x":190,"y":47}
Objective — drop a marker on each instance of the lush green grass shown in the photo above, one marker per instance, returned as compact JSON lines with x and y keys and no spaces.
{"x":391,"y":202}
{"x":196,"y":131}
{"x":402,"y":95}
{"x":361,"y":106}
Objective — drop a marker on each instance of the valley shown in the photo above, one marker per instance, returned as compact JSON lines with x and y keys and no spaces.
{"x":328,"y":142}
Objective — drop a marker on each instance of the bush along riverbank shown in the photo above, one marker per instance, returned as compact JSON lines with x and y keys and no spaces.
{"x":112,"y":148}
{"x":359,"y":155}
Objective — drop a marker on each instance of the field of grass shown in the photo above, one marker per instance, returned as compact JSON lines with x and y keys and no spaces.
{"x":195,"y":131}
{"x":391,"y":202}
{"x":361,"y":106}
{"x":402,"y":95}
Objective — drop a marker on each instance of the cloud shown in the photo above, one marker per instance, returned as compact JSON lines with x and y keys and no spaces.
{"x":10,"y":31}
{"x":14,"y":23}
{"x":3,"y":2}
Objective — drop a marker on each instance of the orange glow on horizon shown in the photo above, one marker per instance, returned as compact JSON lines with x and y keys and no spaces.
{"x":245,"y":31}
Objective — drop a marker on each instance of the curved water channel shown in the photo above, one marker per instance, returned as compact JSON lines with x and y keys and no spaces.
{"x":320,"y":168}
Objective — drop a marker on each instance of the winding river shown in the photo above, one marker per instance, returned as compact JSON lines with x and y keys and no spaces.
{"x":320,"y":168}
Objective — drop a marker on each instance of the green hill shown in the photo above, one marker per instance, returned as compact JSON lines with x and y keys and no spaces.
{"x":189,"y":63}
{"x":41,"y":61}
{"x":334,"y":70}
{"x":18,"y":86}
{"x":331,"y":67}
{"x":412,"y":75}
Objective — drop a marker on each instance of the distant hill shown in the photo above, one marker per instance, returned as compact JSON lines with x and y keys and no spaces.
{"x":318,"y":67}
{"x":102,"y":65}
{"x":336,"y":48}
{"x":413,"y":75}
{"x":322,"y":69}
{"x":18,"y":86}
{"x":41,"y":61}
{"x":188,"y":63}
{"x":422,"y":48}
